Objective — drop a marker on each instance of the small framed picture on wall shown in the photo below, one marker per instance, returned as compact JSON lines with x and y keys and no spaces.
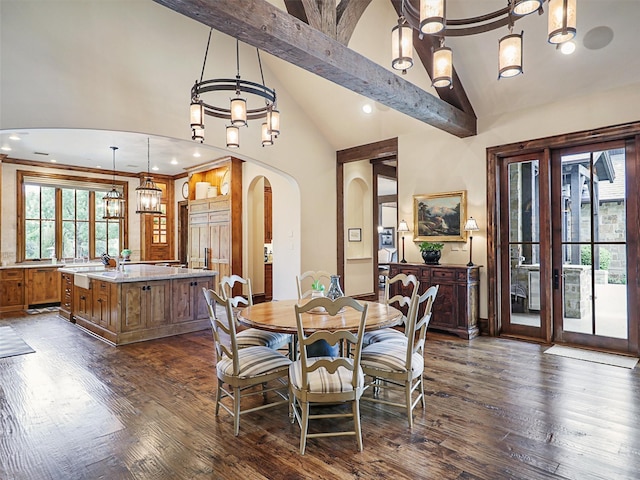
{"x":355,"y":235}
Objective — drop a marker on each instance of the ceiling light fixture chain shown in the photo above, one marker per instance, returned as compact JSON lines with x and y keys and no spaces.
{"x":238,"y":113}
{"x":428,"y":17}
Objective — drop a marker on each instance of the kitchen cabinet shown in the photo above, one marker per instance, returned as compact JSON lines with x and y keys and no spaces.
{"x":101,"y":305}
{"x":215,"y":225}
{"x":145,"y":305}
{"x":66,"y":296}
{"x":188,"y":300}
{"x":12,"y":289}
{"x":82,"y":303}
{"x":268,"y":211}
{"x":456,"y":307}
{"x":43,"y":285}
{"x":268,"y":282}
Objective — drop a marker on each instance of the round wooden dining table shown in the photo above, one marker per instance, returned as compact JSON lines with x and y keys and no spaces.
{"x":280,"y":316}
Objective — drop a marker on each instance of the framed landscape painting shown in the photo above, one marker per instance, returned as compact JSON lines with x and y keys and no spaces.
{"x":440,"y":217}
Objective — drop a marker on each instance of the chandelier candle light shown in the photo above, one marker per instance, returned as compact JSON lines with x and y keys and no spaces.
{"x":429,"y":17}
{"x":238,"y":112}
{"x":148,"y":194}
{"x":114,"y":202}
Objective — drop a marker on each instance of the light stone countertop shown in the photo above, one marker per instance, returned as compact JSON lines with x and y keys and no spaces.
{"x":136,"y":273}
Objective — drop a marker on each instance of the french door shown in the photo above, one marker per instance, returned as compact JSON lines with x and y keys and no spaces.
{"x":569,"y":229}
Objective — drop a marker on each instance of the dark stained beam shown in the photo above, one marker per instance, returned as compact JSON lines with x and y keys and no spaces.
{"x":455,"y":96}
{"x":371,"y":151}
{"x":260,"y":24}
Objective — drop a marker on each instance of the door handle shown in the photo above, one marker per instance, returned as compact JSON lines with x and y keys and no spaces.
{"x":556,"y":279}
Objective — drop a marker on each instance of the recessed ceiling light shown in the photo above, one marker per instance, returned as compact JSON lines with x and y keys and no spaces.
{"x":155,"y":168}
{"x":568,"y":47}
{"x":197,"y":155}
{"x":14,"y":137}
{"x":367,"y":108}
{"x":5,"y":148}
{"x":53,"y":160}
{"x":174,"y":162}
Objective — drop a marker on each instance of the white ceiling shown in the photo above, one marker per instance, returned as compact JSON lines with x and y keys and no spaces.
{"x":549,"y":76}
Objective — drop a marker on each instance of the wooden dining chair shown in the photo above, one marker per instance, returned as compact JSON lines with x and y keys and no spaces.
{"x":243,"y":368}
{"x":327,"y":380}
{"x":249,"y":337}
{"x":306,"y":279}
{"x":399,"y":365}
{"x":409,"y":290}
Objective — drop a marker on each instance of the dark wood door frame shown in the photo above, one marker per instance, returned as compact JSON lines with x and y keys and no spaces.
{"x":630,"y":133}
{"x":384,"y":149}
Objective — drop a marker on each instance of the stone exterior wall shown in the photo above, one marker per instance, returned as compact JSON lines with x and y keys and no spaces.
{"x":612,"y":220}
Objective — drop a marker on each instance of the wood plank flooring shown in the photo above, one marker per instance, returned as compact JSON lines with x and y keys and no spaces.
{"x":496,"y":409}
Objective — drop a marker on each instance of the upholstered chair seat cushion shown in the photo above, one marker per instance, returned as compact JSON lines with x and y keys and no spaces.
{"x":390,"y":357}
{"x":254,"y":361}
{"x":384,"y":335}
{"x":252,"y":337}
{"x":321,"y":381}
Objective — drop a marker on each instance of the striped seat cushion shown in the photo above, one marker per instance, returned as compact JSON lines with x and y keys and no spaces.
{"x":391,"y":357}
{"x":252,"y":337}
{"x":384,"y":335}
{"x":254,"y":361}
{"x":321,"y":381}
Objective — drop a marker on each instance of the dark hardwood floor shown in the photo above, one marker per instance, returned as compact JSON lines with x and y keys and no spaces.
{"x":496,"y":409}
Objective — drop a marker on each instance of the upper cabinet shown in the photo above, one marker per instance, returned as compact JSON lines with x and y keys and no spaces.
{"x":215,"y":217}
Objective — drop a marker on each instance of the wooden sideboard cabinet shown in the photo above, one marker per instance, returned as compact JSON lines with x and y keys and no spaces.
{"x":457,"y":304}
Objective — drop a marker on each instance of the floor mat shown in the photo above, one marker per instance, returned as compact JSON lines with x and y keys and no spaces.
{"x":35,"y":311}
{"x":591,"y":356}
{"x":11,"y":344}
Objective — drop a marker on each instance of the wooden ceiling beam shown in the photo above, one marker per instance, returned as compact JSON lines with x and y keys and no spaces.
{"x":260,"y":24}
{"x":348,"y":14}
{"x":424,"y":47}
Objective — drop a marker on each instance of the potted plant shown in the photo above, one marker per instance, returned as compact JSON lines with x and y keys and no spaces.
{"x":431,"y":252}
{"x":317,"y":289}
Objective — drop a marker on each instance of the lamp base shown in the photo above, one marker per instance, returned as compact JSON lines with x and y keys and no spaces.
{"x":403,"y":261}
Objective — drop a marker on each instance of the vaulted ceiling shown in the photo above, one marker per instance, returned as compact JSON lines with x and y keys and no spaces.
{"x":607,"y":46}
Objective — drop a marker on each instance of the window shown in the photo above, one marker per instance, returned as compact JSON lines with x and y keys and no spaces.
{"x":63,"y":217}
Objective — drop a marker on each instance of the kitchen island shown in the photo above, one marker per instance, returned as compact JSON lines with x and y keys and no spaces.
{"x":137,"y":302}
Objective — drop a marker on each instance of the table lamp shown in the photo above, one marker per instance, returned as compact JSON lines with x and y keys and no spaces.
{"x":403,"y":228}
{"x":471,"y":226}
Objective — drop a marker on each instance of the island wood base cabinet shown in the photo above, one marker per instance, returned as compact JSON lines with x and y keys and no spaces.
{"x":122,"y":313}
{"x":456,"y":307}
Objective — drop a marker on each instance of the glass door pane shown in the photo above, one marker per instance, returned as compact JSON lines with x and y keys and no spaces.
{"x":594,"y":266}
{"x":524,"y":242}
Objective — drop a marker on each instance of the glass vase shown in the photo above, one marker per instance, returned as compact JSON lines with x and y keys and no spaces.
{"x":334,"y":288}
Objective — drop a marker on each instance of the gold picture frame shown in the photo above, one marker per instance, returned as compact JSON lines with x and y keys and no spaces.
{"x":440,"y":217}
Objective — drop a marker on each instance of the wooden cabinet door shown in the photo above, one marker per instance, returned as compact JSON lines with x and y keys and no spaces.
{"x":66,"y":291}
{"x":132,"y":310}
{"x":220,"y":235}
{"x":268,"y":235}
{"x":82,"y":301}
{"x":101,"y":304}
{"x":157,"y":303}
{"x":188,"y":301}
{"x":43,"y":286}
{"x":198,"y":240}
{"x":11,"y":289}
{"x":182,"y":300}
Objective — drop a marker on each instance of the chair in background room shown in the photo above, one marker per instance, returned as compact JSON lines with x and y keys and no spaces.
{"x":399,"y":366}
{"x":249,"y":337}
{"x":327,"y":380}
{"x":410,"y":286}
{"x":306,"y":279}
{"x":385,"y":257}
{"x":243,"y":368}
